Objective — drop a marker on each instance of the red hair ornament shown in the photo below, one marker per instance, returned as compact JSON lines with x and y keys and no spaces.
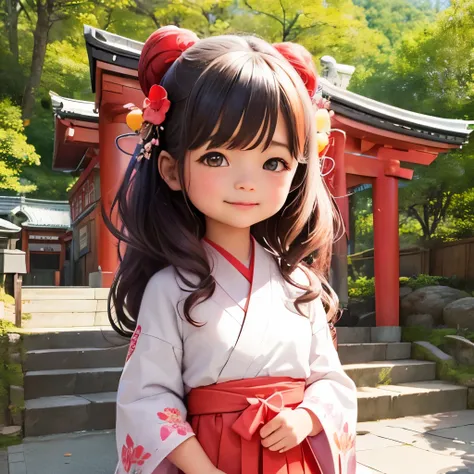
{"x":302,"y":61}
{"x":300,"y":58}
{"x":160,"y":51}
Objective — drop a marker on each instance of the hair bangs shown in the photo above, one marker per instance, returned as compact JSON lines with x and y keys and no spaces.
{"x":236,"y":102}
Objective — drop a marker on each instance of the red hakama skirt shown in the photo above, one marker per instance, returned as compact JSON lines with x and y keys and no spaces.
{"x":227,"y":418}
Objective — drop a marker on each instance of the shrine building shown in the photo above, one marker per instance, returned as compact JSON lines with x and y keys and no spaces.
{"x":373,"y":143}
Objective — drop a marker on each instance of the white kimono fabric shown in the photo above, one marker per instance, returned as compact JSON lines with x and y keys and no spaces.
{"x":168,"y":357}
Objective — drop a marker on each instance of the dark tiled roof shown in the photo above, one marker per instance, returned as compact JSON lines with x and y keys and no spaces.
{"x":388,"y":117}
{"x":39,"y":213}
{"x":110,"y":48}
{"x":8,"y":227}
{"x":114,"y":49}
{"x":72,"y":108}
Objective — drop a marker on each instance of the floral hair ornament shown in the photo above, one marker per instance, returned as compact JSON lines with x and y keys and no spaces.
{"x":147,"y":122}
{"x":300,"y":58}
{"x":302,"y":61}
{"x":324,"y":141}
{"x":159,"y":53}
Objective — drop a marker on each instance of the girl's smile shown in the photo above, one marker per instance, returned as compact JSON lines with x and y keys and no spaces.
{"x":234,"y":188}
{"x":244,"y":205}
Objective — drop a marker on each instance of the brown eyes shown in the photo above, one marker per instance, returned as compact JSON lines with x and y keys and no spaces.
{"x":218,"y":160}
{"x":215,"y":160}
{"x":276,"y":164}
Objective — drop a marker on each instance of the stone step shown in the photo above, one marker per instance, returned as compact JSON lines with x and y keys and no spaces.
{"x":63,"y":293}
{"x":50,"y":383}
{"x":361,"y":335}
{"x":65,"y":414}
{"x":68,"y":413}
{"x":75,"y":358}
{"x":373,"y":351}
{"x":407,"y":399}
{"x":65,"y":319}
{"x":66,"y":338}
{"x":64,"y":306}
{"x":353,"y":335}
{"x":372,"y":374}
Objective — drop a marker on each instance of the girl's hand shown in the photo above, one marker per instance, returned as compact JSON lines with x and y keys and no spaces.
{"x":287,"y":430}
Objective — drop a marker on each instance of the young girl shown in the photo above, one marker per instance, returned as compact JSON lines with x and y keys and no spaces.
{"x":231,"y":366}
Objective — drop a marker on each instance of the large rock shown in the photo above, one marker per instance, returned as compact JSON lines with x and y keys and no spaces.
{"x":405,"y":291}
{"x":430,"y":300}
{"x":460,"y":348}
{"x":460,"y":313}
{"x":423,"y":320}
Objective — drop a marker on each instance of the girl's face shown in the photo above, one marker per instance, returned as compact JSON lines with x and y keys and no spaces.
{"x":239,"y":188}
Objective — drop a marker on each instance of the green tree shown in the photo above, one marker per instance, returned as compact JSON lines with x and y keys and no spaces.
{"x":394,"y":17}
{"x":46,"y":14}
{"x":430,"y":197}
{"x":15,"y":152}
{"x":431,"y":72}
{"x":334,"y":27}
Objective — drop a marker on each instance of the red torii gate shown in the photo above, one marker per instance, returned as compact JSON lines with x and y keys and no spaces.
{"x":379,"y":140}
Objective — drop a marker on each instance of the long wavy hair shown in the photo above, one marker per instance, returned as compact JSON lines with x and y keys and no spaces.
{"x":222,"y":90}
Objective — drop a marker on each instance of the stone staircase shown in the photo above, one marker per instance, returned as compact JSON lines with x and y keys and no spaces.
{"x":61,"y":307}
{"x":71,"y":379}
{"x":390,"y":384}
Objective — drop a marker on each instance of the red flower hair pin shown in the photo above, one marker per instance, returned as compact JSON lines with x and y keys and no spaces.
{"x":146,"y":122}
{"x":156,"y":105}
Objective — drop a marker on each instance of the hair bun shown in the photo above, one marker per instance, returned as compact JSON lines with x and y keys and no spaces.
{"x":160,"y":51}
{"x":300,"y":58}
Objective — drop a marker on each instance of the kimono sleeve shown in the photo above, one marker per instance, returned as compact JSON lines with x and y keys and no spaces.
{"x":332,"y":396}
{"x":151,"y":414}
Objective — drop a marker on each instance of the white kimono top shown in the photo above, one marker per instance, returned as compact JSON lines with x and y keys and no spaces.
{"x":169,"y":356}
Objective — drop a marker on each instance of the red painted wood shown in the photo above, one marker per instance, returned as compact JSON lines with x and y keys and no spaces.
{"x":113,"y":164}
{"x":386,"y":250}
{"x":81,"y":136}
{"x":386,"y":137}
{"x":339,"y":181}
{"x":410,"y":156}
{"x":84,"y":175}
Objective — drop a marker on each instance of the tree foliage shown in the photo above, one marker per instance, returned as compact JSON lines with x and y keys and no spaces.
{"x":15,"y":152}
{"x":395,"y":17}
{"x":402,"y":53}
{"x":430,"y":72}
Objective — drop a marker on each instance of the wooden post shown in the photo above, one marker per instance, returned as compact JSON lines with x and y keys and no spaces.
{"x":386,"y":251}
{"x":338,"y":187}
{"x":17,"y":283}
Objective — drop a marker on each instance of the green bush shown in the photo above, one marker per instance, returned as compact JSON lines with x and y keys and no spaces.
{"x":10,"y":373}
{"x":404,"y":281}
{"x":420,"y":281}
{"x":362,"y":287}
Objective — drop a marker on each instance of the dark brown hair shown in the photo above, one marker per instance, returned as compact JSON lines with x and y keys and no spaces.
{"x":222,"y":89}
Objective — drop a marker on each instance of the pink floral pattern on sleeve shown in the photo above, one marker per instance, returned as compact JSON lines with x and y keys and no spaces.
{"x":173,"y":422}
{"x":345,"y":443}
{"x":133,"y":456}
{"x":133,"y":342}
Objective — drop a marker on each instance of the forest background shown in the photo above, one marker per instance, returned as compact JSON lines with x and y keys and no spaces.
{"x":415,"y":54}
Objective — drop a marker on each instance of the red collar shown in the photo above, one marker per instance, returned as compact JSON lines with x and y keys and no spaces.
{"x":237,"y":264}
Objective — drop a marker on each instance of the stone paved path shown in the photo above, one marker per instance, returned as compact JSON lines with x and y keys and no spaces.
{"x":3,"y":461}
{"x":430,"y":444}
